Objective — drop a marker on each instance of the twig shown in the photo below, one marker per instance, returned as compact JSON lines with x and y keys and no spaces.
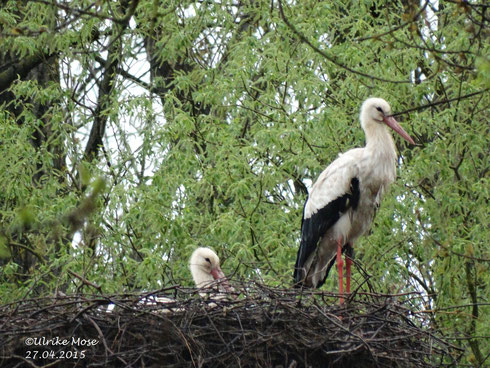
{"x":85,"y":281}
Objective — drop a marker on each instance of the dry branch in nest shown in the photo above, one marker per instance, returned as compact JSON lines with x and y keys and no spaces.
{"x":176,"y":327}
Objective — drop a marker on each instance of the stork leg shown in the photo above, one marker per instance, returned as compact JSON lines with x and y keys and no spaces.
{"x":349,"y":254}
{"x":340,"y":265}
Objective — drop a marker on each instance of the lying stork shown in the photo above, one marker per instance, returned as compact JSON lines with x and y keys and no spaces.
{"x":206,"y":272}
{"x":343,"y":201}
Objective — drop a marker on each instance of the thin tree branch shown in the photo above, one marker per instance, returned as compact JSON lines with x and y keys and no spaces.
{"x":432,"y":104}
{"x":85,"y":281}
{"x":331,"y":58}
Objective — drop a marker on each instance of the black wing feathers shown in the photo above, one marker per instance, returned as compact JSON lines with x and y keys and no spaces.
{"x":315,"y":227}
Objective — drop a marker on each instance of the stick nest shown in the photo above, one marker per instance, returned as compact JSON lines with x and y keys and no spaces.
{"x":263,"y":327}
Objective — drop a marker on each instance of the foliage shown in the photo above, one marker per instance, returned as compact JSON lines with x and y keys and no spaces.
{"x":133,"y":131}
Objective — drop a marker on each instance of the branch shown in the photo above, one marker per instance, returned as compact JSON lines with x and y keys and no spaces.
{"x":25,"y":247}
{"x":471,"y":281}
{"x":331,"y":58}
{"x":21,"y":69}
{"x":85,"y":281}
{"x":80,"y":12}
{"x":391,"y":30}
{"x":100,"y":119}
{"x":432,"y":104}
{"x":127,"y":75}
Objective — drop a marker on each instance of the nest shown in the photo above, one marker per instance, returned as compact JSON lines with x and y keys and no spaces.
{"x":178,"y":327}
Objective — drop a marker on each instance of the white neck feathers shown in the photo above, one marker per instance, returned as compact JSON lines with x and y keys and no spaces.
{"x":379,"y":139}
{"x":201,"y":277}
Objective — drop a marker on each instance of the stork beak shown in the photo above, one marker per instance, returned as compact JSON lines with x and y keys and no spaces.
{"x":221,"y":278}
{"x":393,"y":124}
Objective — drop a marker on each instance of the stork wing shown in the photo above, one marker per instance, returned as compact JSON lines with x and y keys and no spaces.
{"x":335,"y":191}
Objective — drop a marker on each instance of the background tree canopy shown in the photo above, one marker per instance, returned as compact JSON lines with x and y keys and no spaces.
{"x":132,"y":132}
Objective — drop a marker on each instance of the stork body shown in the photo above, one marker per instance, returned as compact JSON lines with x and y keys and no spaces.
{"x":343,"y":201}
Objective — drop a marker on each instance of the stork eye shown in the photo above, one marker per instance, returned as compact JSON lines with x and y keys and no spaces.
{"x":379,"y":109}
{"x":207,"y":259}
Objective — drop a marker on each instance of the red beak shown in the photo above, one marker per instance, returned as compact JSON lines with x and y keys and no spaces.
{"x":393,"y":124}
{"x":221,"y":278}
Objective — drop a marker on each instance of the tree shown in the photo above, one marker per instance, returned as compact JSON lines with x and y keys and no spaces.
{"x":134,"y":131}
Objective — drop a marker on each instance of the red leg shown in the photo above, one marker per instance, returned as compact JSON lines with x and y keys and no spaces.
{"x":340,"y":265}
{"x":349,"y":255}
{"x":348,"y":263}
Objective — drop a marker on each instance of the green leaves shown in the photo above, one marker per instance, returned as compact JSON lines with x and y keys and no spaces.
{"x":219,"y":117}
{"x":4,"y":249}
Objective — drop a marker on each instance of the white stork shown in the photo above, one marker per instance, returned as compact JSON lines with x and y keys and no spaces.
{"x":343,"y":201}
{"x":205,"y":269}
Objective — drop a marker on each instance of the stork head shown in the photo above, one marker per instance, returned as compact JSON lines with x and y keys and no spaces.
{"x":377,"y":111}
{"x":205,"y":268}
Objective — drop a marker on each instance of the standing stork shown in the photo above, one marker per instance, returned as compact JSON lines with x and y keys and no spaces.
{"x":343,"y":201}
